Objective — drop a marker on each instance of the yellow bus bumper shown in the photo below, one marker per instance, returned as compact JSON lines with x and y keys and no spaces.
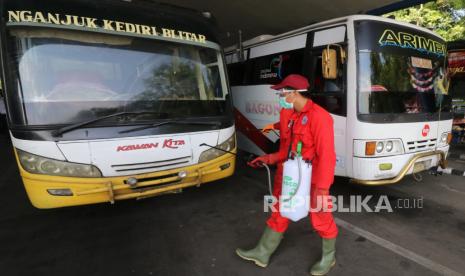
{"x":109,"y":189}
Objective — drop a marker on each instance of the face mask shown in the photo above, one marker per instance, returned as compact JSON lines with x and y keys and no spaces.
{"x":284,"y":104}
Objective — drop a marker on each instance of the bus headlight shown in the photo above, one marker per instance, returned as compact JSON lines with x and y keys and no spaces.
{"x":379,"y":147}
{"x":376,"y":148}
{"x":228,"y":145}
{"x":445,"y":139}
{"x":389,"y":146}
{"x":41,"y":165}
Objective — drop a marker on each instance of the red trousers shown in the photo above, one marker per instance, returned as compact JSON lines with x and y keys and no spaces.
{"x":322,"y":221}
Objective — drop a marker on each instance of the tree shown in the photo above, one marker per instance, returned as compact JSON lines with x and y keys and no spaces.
{"x":446,"y":17}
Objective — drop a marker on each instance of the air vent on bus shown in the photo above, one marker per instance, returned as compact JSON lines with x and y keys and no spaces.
{"x":421,"y":145}
{"x":156,"y":165}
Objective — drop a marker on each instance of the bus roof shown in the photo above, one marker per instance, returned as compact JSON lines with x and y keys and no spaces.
{"x":269,"y":38}
{"x":136,"y":11}
{"x":257,"y":17}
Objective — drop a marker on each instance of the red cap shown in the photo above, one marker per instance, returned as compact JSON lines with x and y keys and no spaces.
{"x":293,"y":81}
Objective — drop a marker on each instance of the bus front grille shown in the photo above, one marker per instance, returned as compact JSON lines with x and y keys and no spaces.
{"x":421,"y":145}
{"x":155,"y":165}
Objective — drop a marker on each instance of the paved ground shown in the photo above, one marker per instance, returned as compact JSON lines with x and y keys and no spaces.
{"x":197,"y":231}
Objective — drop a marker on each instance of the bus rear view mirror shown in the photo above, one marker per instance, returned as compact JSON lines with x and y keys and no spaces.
{"x":329,"y":63}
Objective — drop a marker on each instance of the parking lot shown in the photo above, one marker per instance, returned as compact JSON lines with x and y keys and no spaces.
{"x":196,"y":232}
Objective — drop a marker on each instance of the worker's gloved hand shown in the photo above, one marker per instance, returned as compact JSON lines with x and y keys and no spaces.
{"x":268,"y":128}
{"x":269,"y":159}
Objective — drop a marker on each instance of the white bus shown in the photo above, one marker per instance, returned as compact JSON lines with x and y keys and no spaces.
{"x":111,"y":100}
{"x":384,"y":83}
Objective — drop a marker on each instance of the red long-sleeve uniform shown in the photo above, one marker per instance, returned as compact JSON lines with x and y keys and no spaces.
{"x":313,"y":126}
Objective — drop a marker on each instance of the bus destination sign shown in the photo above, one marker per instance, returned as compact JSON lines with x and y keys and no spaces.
{"x":101,"y":24}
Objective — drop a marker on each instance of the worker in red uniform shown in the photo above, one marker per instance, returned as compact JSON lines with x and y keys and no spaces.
{"x":301,"y":120}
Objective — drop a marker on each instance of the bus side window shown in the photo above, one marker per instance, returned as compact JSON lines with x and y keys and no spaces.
{"x":328,"y":93}
{"x":236,"y":74}
{"x":272,"y":69}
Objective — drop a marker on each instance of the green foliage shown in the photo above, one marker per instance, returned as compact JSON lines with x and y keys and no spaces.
{"x":446,"y":17}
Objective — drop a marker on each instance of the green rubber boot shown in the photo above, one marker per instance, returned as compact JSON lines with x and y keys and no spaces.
{"x":262,"y":252}
{"x":328,"y":258}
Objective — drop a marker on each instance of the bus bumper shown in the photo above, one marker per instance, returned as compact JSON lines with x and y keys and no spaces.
{"x":367,"y":171}
{"x":97,"y":190}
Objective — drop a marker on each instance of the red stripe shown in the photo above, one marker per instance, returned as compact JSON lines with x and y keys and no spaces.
{"x":250,"y":131}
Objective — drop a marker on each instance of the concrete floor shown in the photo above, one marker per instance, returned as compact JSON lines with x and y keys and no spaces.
{"x":197,"y":231}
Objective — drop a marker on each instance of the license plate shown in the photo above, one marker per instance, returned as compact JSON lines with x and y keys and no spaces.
{"x":421,"y":166}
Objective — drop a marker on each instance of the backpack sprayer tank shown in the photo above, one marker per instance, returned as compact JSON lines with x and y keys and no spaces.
{"x":295,"y":194}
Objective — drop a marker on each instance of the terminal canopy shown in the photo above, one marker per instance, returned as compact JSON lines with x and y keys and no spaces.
{"x":259,"y":17}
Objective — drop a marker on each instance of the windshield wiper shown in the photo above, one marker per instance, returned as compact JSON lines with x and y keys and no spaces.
{"x":65,"y":129}
{"x":178,"y":122}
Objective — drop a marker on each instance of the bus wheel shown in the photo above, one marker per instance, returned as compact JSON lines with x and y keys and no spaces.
{"x":418,"y":177}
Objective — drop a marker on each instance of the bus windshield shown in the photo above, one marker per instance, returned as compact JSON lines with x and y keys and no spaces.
{"x":396,"y":76}
{"x":66,"y":77}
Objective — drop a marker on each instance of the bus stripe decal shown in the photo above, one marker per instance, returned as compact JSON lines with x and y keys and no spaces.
{"x":251,"y":132}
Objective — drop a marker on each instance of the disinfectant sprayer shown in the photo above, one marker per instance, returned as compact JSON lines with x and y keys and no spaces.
{"x":295,"y":194}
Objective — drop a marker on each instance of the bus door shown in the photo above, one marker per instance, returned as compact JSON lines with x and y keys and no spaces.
{"x":329,"y":88}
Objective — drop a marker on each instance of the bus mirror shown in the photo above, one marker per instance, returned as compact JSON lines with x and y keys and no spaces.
{"x":329,"y":63}
{"x":343,"y":56}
